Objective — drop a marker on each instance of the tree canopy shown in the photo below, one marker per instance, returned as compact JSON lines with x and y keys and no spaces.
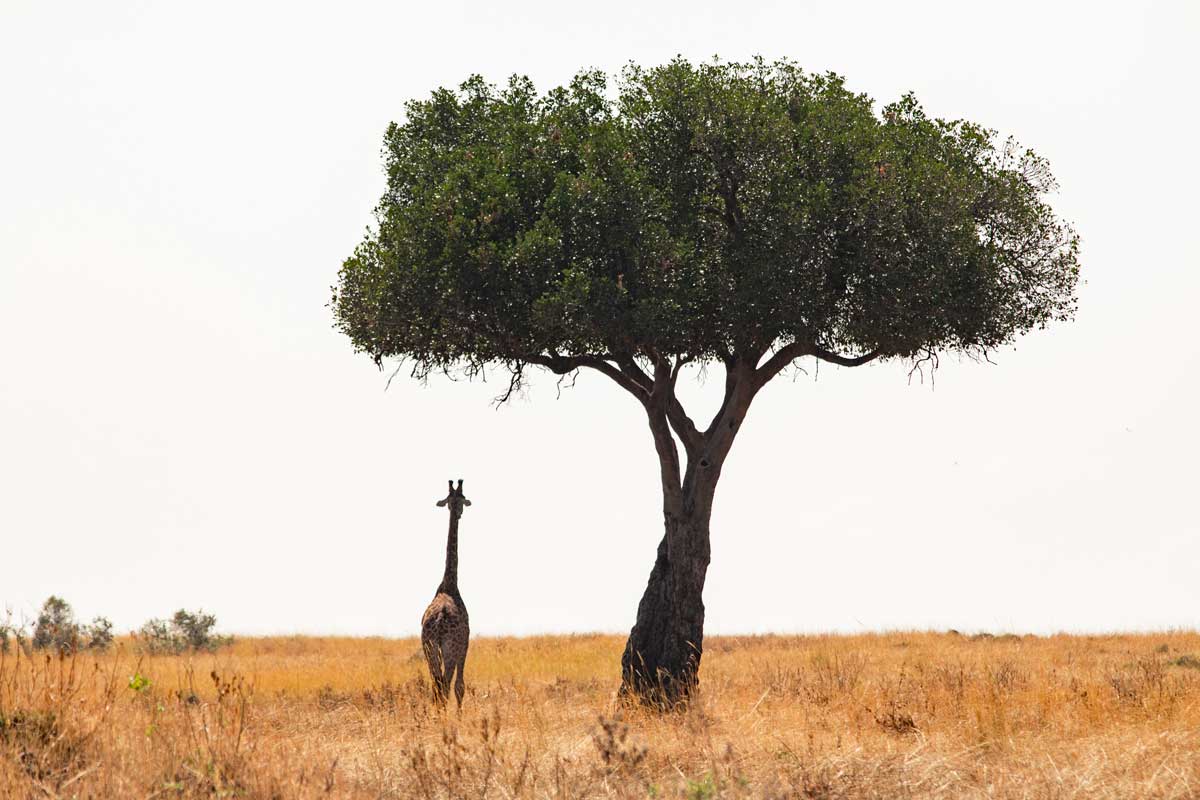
{"x":698,"y":212}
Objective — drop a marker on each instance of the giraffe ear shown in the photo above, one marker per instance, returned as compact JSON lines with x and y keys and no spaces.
{"x":441,"y":503}
{"x":466,"y":502}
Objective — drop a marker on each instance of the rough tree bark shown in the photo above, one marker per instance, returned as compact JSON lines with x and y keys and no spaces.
{"x":661,"y":661}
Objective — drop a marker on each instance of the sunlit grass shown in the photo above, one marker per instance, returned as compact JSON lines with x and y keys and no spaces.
{"x":908,"y":714}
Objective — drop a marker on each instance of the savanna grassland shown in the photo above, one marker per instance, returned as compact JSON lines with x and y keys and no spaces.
{"x":893,"y":715}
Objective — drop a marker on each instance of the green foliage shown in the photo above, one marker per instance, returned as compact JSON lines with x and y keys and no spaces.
{"x":705,"y":211}
{"x":10,"y":633}
{"x":156,"y":636}
{"x":56,"y":626}
{"x":99,"y":634}
{"x":197,"y":630}
{"x":139,"y":682}
{"x":703,"y":789}
{"x":184,"y":631}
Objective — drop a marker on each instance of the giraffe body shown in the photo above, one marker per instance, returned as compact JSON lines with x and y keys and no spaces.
{"x":445,"y":626}
{"x":445,"y":635}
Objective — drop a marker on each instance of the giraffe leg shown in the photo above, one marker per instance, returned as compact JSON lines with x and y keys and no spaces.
{"x":447,"y":674}
{"x":441,"y":687}
{"x":459,"y":686}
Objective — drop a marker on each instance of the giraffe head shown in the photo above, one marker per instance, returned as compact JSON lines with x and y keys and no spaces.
{"x":455,"y":499}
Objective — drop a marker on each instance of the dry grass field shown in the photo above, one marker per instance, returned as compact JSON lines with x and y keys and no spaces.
{"x":898,"y":715}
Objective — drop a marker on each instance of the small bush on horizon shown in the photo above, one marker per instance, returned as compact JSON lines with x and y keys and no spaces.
{"x":11,"y":633}
{"x":182,"y":632}
{"x":56,"y":628}
{"x":156,"y":636}
{"x":7,"y":631}
{"x":99,"y":634}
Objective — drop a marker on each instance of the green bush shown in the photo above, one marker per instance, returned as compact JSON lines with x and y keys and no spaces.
{"x":99,"y":634}
{"x":157,"y":636}
{"x":56,"y":628}
{"x":184,"y":631}
{"x":10,"y":633}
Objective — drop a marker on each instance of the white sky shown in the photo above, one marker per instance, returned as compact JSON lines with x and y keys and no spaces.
{"x":181,"y":426}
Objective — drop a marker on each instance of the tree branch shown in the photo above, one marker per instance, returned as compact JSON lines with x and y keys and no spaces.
{"x":679,"y":362}
{"x":845,"y":361}
{"x":516,"y":373}
{"x":680,"y":422}
{"x":563,"y":365}
{"x":655,"y":394}
{"x":658,"y":413}
{"x":634,"y":373}
{"x":779,"y":361}
{"x":704,"y":466}
{"x":731,"y":387}
{"x":727,"y":188}
{"x":790,"y":352}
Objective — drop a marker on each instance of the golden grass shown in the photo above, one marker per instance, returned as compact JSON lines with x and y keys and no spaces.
{"x":918,"y":715}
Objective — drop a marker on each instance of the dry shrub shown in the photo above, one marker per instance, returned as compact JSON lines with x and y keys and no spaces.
{"x":474,"y":764}
{"x":912,"y":715}
{"x":48,"y":721}
{"x":619,"y":755}
{"x":825,"y":678}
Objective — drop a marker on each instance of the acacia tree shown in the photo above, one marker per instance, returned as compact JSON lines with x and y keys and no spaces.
{"x":739,"y":215}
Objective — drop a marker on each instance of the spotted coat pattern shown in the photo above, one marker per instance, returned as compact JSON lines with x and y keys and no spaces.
{"x":445,"y":626}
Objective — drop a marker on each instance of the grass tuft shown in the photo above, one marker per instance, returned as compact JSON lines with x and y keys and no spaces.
{"x":915,"y":715}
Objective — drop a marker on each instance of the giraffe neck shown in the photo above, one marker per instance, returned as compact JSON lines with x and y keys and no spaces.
{"x":450,"y":578}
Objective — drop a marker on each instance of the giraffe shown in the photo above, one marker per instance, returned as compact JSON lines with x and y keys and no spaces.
{"x":445,"y":628}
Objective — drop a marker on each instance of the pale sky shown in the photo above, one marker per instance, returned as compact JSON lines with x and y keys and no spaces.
{"x":180,"y":425}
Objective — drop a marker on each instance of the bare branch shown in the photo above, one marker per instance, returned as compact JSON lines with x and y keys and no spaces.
{"x":516,"y":372}
{"x":388,"y":385}
{"x":779,"y":361}
{"x":663,"y":391}
{"x":845,"y":361}
{"x":558,"y":385}
{"x":563,"y":365}
{"x":634,"y":373}
{"x":668,"y":454}
{"x":680,"y":361}
{"x":654,"y":394}
{"x":681,"y":423}
{"x":683,"y":426}
{"x":731,"y":389}
{"x":927,"y":358}
{"x":785,"y":355}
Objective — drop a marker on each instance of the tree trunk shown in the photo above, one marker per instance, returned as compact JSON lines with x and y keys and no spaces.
{"x":661,"y":663}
